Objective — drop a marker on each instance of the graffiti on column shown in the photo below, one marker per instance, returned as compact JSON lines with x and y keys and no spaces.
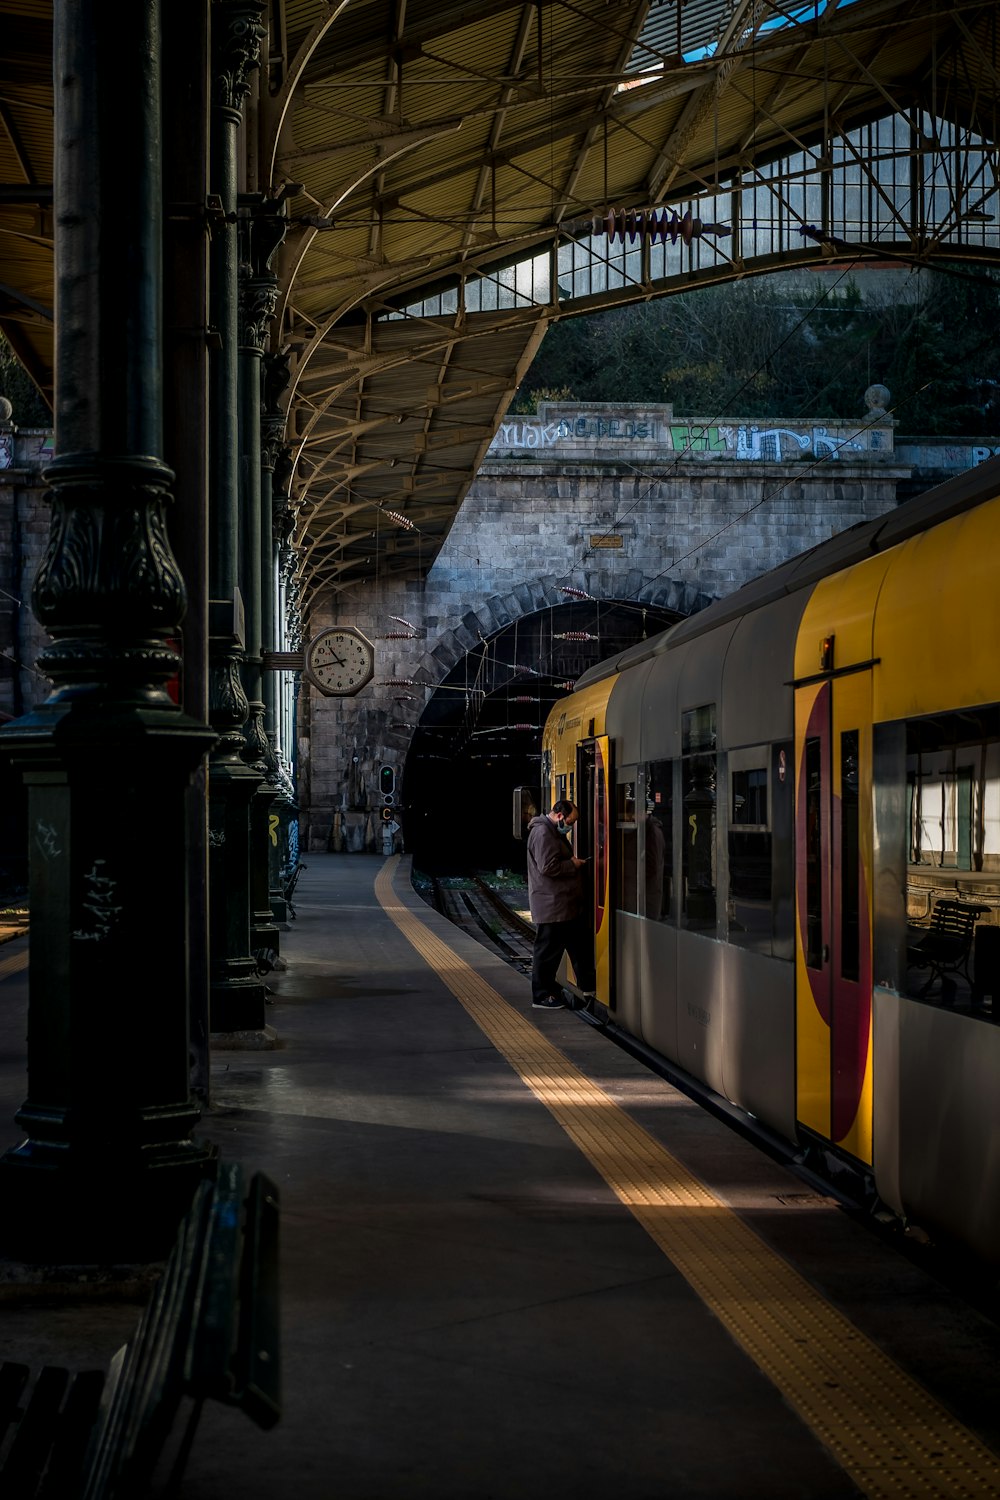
{"x":47,"y":840}
{"x":99,"y":903}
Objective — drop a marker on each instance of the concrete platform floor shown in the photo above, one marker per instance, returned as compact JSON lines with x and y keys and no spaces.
{"x":469,"y":1312}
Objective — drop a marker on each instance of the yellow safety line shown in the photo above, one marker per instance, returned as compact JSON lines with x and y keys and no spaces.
{"x":890,"y":1436}
{"x":14,"y":964}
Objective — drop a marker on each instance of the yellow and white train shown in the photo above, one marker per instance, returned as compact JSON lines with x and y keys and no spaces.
{"x":792,"y":804}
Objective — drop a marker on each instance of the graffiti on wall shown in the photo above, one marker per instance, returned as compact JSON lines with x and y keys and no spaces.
{"x":531,"y":432}
{"x":749,"y":441}
{"x":745,"y":441}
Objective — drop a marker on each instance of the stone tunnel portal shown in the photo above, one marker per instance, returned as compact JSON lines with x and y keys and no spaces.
{"x":480,"y":735}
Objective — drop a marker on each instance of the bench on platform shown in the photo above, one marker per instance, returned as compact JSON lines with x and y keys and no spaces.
{"x":944,"y":946}
{"x":210,"y":1331}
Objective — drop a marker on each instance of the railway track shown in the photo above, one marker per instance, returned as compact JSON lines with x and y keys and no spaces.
{"x":482,"y":912}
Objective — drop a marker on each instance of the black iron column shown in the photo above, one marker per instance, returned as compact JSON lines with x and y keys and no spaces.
{"x":108,"y":1163}
{"x":274,"y":456}
{"x":186,"y":29}
{"x":263,"y":229}
{"x":238,"y":995}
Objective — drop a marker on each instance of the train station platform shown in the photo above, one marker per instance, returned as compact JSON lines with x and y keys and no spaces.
{"x":517,"y":1264}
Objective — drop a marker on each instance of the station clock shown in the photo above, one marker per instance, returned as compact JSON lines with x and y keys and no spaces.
{"x":339,"y":661}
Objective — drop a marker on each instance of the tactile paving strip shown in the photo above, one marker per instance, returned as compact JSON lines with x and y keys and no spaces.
{"x":891,"y":1437}
{"x":13,"y":964}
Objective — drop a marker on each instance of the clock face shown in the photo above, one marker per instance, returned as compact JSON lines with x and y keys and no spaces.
{"x":340,"y":661}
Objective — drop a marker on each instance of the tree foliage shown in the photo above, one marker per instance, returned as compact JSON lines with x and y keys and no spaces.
{"x":769,"y":348}
{"x":22,"y":393}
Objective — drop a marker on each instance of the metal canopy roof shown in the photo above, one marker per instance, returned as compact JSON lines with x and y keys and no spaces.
{"x":422,"y":144}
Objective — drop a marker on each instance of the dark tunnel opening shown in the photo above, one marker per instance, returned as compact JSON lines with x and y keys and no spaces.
{"x":480,"y":735}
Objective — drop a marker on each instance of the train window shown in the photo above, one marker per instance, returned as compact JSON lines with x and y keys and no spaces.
{"x":698,"y":729}
{"x":750,"y":796}
{"x":627,"y":862}
{"x":951,"y":785}
{"x":782,"y":854}
{"x":937,"y":807}
{"x":698,"y":842}
{"x":626,"y":802}
{"x":749,"y":906}
{"x":850,"y":859}
{"x":659,"y":832}
{"x":814,"y":853}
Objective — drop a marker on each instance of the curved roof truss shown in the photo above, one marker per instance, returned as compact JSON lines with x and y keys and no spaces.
{"x":445,"y":163}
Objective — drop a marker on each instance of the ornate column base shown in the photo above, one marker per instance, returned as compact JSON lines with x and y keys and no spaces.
{"x":237,"y":996}
{"x":279,"y":907}
{"x":280,"y":845}
{"x":263,"y":932}
{"x":107,"y":1166}
{"x":97,"y":1203}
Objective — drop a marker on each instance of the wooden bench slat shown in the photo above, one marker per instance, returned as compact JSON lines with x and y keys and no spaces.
{"x":13,"y":1379}
{"x":144,"y":1385}
{"x":29,"y":1452}
{"x":76,"y":1423}
{"x":210,"y":1330}
{"x":257,"y":1372}
{"x":209,"y":1352}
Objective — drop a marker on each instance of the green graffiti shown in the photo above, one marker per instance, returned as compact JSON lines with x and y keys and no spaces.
{"x":697,"y":439}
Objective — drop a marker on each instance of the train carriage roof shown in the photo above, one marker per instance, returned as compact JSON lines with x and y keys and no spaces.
{"x":913,"y":516}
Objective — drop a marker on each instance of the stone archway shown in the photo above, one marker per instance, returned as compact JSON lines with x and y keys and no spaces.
{"x":668,"y":599}
{"x":349,"y":741}
{"x":479,"y":735}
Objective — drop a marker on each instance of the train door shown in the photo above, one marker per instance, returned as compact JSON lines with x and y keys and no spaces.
{"x":593,"y":780}
{"x":833,"y":911}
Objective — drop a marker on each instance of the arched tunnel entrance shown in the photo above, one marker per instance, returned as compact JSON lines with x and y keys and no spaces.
{"x":481,"y":733}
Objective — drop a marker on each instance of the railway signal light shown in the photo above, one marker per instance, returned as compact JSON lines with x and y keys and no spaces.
{"x":387,"y":782}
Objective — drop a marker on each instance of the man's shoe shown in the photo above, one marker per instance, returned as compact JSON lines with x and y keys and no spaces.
{"x":548,"y":1002}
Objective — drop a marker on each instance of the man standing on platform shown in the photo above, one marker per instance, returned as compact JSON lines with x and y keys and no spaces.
{"x":555,"y":896}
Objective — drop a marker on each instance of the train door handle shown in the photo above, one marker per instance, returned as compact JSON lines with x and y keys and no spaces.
{"x":826,"y":953}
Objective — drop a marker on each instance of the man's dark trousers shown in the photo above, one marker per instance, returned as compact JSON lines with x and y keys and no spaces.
{"x":552,"y":940}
